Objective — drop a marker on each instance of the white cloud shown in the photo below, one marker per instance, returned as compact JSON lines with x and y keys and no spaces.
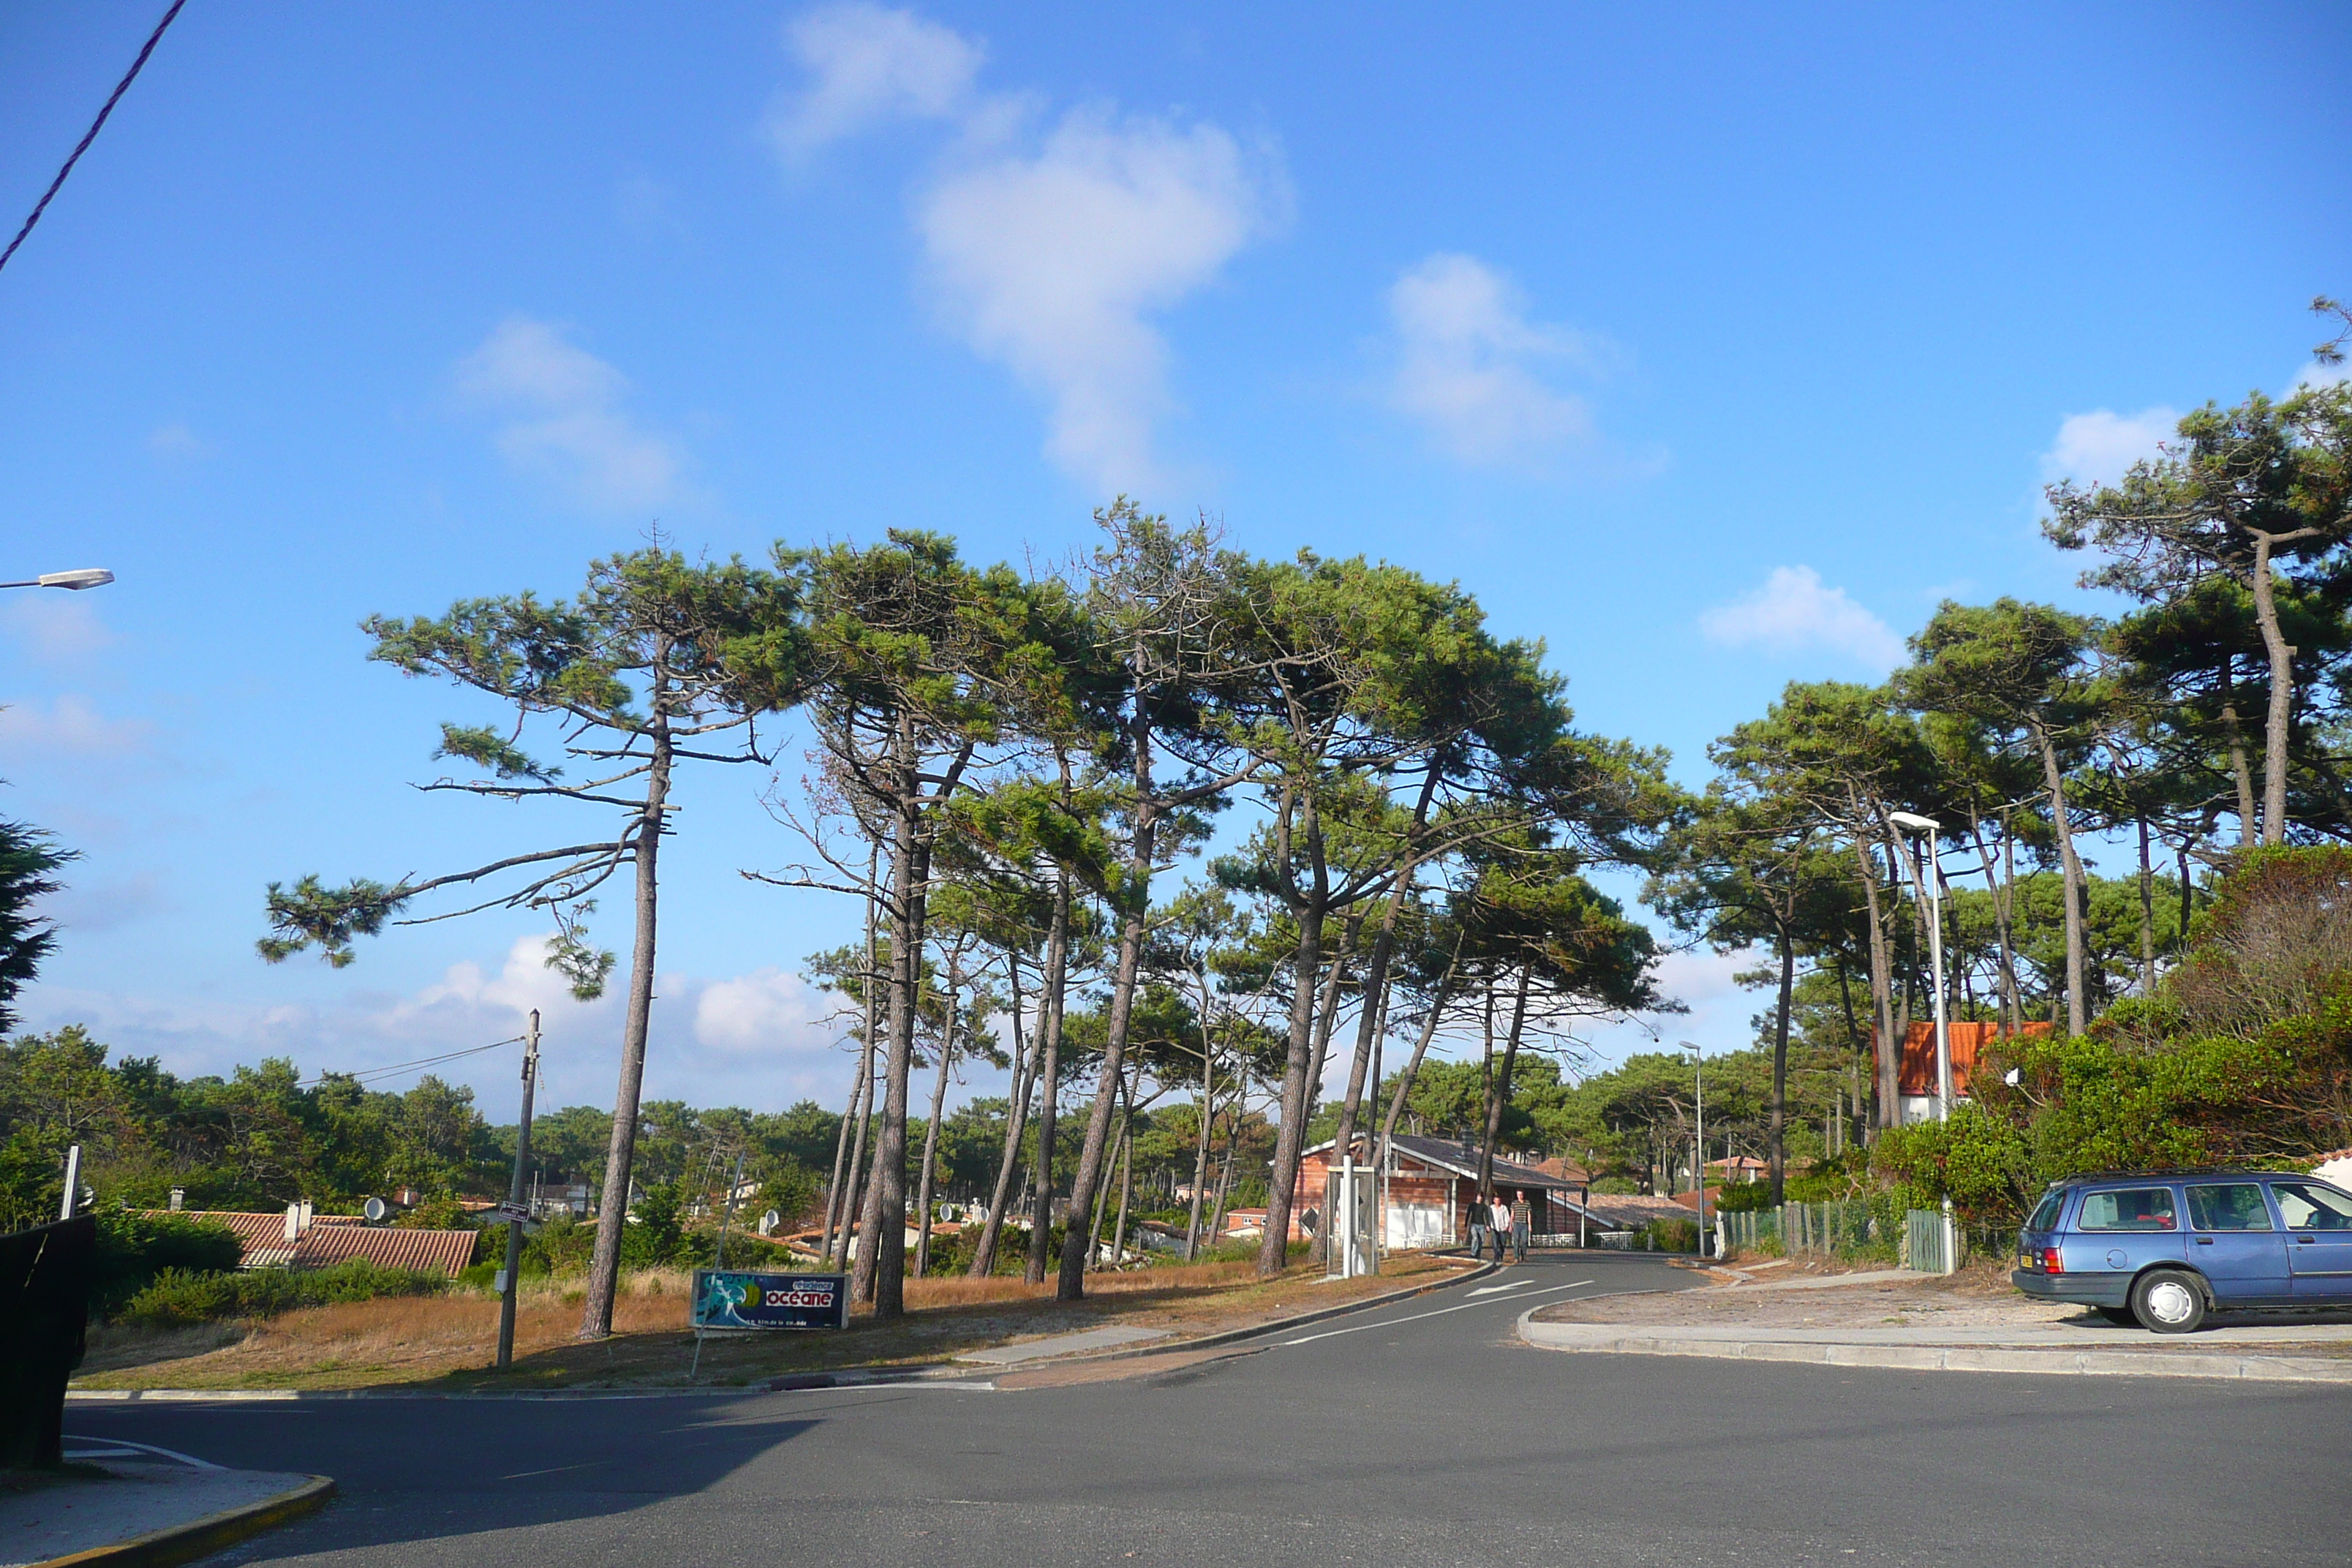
{"x":72,"y":726}
{"x":1467,"y":353}
{"x":567,"y":422}
{"x":2099,"y":448}
{"x":767,"y":1009}
{"x":868,"y":64}
{"x":57,"y":628}
{"x":1795,"y":610}
{"x":2317,"y":374}
{"x":1052,"y":262}
{"x":175,"y":441}
{"x":1049,"y":254}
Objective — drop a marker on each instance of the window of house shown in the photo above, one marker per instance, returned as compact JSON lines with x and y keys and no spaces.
{"x":2133,"y":1208}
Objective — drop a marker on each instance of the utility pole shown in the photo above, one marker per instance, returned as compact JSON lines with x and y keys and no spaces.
{"x":510,"y":1278}
{"x":73,"y":1180}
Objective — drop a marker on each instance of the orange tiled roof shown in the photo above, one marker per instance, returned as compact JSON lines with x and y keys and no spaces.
{"x":333,"y":1239}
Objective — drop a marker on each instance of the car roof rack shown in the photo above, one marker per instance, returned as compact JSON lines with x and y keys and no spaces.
{"x":2167,"y":1171}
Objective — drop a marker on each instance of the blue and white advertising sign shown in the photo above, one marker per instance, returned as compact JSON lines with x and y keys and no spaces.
{"x":733,"y":1299}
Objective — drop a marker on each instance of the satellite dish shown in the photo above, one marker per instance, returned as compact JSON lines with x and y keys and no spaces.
{"x":376,"y":1210}
{"x":769,"y":1221}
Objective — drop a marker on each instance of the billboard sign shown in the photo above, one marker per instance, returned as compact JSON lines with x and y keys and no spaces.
{"x":738,"y":1298}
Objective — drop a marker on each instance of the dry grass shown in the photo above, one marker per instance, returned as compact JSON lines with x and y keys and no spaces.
{"x":449,"y":1339}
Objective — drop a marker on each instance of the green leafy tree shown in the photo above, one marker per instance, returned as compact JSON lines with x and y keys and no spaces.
{"x":2243,"y":491}
{"x":28,"y":862}
{"x":660,"y":661}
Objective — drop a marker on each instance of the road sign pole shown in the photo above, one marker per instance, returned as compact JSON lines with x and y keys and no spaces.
{"x":514,"y":1199}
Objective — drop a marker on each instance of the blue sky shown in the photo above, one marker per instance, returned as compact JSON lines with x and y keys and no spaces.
{"x":1713,"y":351}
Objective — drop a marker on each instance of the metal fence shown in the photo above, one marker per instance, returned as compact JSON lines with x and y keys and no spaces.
{"x":1824,"y":1230}
{"x":1924,"y":1235}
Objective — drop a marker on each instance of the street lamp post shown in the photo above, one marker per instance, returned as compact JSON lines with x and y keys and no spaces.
{"x":1698,"y":1135}
{"x":1931,"y":888}
{"x":84,"y":577}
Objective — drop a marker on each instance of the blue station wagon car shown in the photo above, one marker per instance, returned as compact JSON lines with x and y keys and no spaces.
{"x":2164,"y":1248}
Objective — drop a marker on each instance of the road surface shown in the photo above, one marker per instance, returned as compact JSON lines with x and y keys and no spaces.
{"x":1420,"y":1435}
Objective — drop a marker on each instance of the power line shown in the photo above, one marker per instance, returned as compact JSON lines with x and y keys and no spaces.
{"x":91,"y":136}
{"x":398,"y":1068}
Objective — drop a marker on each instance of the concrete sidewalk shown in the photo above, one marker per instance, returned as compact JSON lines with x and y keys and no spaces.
{"x":131,"y":1505}
{"x":2063,"y":1348}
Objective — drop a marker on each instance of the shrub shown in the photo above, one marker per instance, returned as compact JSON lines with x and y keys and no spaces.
{"x":1670,"y":1236}
{"x":177,"y":1297}
{"x":133,"y":1249}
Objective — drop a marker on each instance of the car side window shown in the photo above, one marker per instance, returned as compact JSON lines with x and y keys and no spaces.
{"x":2045,"y":1216}
{"x":2233,"y":1205}
{"x":2307,"y":1205}
{"x":2133,"y":1209}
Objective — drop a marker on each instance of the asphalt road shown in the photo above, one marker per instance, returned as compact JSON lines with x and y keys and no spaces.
{"x":1417,"y":1436}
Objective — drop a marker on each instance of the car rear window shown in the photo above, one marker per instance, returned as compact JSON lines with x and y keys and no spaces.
{"x":2229,"y":1206}
{"x":2133,"y":1209}
{"x":2045,"y":1215}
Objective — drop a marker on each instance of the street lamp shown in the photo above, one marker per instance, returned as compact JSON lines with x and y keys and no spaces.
{"x":1931,"y":887}
{"x":85,"y":577}
{"x":1698,"y":1134}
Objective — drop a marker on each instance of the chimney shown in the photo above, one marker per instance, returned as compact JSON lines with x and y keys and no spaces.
{"x":293,"y":1221}
{"x":306,"y":1214}
{"x":179,"y":1199}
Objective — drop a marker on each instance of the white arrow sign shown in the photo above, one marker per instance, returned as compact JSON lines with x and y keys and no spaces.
{"x":1491,"y":1289}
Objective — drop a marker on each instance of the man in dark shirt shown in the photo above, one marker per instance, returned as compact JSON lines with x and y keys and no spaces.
{"x":1522,"y":1220}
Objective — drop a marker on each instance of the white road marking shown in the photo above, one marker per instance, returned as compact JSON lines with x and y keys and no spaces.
{"x":150,"y":1449}
{"x":1399,"y":1322}
{"x":1514,"y":1284}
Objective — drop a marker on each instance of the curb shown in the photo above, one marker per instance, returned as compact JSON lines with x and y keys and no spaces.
{"x":186,"y":1543}
{"x":1946,"y":1358}
{"x":844,"y":1377}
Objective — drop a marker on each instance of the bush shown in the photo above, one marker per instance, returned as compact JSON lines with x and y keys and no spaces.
{"x":178,"y":1297}
{"x":1670,"y":1236}
{"x":133,"y":1249}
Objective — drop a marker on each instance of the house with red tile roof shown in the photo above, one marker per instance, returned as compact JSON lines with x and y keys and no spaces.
{"x":297,"y":1239}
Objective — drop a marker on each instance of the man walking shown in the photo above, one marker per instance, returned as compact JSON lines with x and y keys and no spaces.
{"x":1501,"y":1223}
{"x":1522,"y":1220}
{"x":1481,"y":1213}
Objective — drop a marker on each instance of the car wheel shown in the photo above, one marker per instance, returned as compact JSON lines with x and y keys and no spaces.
{"x":2168,"y":1302}
{"x":2117,"y":1315}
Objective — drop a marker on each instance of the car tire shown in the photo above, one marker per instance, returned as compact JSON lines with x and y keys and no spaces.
{"x":2168,"y":1302}
{"x":2122,"y":1315}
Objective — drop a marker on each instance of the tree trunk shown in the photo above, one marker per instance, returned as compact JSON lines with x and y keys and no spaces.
{"x":2078,"y":1015}
{"x":1142,"y":835}
{"x":620,"y":1154}
{"x":931,"y":1133}
{"x":2240,"y":774}
{"x":1016,"y":1119}
{"x":1208,"y":1104}
{"x":833,"y":1192}
{"x":853,"y":1199}
{"x":1326,"y":1017}
{"x":1049,"y":1086}
{"x":1499,"y":1088}
{"x":1290,"y":1138}
{"x":1887,"y":1054}
{"x":1225,"y":1170}
{"x":1777,"y":1155}
{"x":2188,"y":900}
{"x":1371,"y":1006}
{"x":2282,"y":711}
{"x":888,"y":1202}
{"x":2012,"y":1008}
{"x":2146,"y":915}
{"x":1125,"y":1186}
{"x":1413,"y":1068}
